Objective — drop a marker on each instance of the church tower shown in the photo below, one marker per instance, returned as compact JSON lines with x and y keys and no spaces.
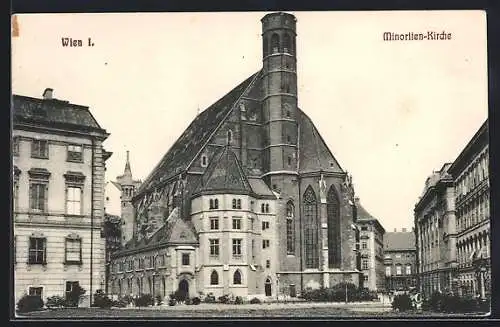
{"x":128,"y":187}
{"x":279,"y":98}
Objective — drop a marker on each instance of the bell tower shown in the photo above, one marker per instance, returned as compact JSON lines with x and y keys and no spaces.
{"x":279,"y":97}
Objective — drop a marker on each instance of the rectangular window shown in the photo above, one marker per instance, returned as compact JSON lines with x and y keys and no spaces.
{"x":73,"y":200}
{"x":73,"y":250}
{"x":236,"y":223}
{"x":185,"y":259}
{"x":38,"y":196}
{"x":265,"y":225}
{"x":365,"y":278}
{"x":75,"y":153}
{"x":364,"y":264}
{"x":214,"y":247}
{"x":398,"y":270}
{"x":398,"y":256}
{"x":268,"y":263}
{"x":364,"y":245}
{"x":130,"y":265}
{"x":214,"y":223}
{"x":265,"y":244}
{"x":37,"y":250}
{"x":40,"y":149}
{"x":35,"y":291}
{"x":237,"y":247}
{"x":387,"y":271}
{"x":408,"y":270}
{"x":141,"y":263}
{"x":250,"y":220}
{"x":15,"y":145}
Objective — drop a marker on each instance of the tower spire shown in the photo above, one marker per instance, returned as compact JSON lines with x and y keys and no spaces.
{"x":127,"y":170}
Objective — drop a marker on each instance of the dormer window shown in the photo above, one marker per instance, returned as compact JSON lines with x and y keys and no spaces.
{"x":204,"y":161}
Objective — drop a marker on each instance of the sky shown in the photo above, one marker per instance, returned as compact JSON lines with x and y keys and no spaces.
{"x":391,"y":112}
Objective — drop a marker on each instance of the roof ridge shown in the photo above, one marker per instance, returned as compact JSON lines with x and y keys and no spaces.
{"x":172,"y":154}
{"x":254,"y":78}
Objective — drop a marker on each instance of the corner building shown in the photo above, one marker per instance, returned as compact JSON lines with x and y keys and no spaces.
{"x":58,"y":203}
{"x":249,"y":199}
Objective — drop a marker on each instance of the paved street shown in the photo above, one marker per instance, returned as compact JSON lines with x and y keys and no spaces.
{"x":268,"y":310}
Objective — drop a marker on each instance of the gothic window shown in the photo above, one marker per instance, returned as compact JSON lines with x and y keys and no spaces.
{"x":237,"y":278}
{"x":275,"y":43}
{"x":287,"y":44}
{"x":214,"y":278}
{"x":311,"y":229}
{"x":265,"y":45}
{"x":333,"y":213}
{"x":290,"y":233}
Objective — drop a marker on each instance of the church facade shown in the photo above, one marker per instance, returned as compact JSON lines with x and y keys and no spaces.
{"x":248,"y":201}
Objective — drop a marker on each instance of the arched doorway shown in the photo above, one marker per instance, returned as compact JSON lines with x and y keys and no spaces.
{"x":267,"y":287}
{"x":183,"y":289}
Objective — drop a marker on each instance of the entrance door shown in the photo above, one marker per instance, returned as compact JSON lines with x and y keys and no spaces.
{"x":183,"y":289}
{"x":267,"y":287}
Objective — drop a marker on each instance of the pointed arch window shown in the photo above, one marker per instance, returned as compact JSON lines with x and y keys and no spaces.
{"x":334,"y":239}
{"x":290,"y":231}
{"x":311,"y":229}
{"x":214,"y":278}
{"x":237,"y":278}
{"x":265,"y":45}
{"x":275,"y":43}
{"x":287,"y":44}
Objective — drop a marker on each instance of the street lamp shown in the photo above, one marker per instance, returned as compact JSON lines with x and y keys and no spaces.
{"x":277,"y":286}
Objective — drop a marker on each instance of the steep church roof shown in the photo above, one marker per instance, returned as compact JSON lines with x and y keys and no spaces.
{"x":224,"y":174}
{"x":175,"y":231}
{"x":184,"y":150}
{"x":314,"y":154}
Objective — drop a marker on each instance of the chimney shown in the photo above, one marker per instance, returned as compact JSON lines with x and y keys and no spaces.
{"x":47,"y":94}
{"x":395,"y":230}
{"x":404,"y":230}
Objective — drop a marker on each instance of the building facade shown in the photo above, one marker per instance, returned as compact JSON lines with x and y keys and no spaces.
{"x":284,"y":179}
{"x":436,"y":234}
{"x":472,"y":204}
{"x":371,"y":247}
{"x":58,"y":203}
{"x":400,"y":260}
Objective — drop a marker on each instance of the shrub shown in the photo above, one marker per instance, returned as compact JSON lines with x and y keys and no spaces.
{"x":74,"y":296}
{"x":127,"y":299}
{"x":29,"y":303}
{"x":172,"y":302}
{"x":144,"y":300}
{"x":224,"y":299}
{"x":402,"y":302}
{"x":196,"y":300}
{"x":209,"y":298}
{"x":255,"y":301}
{"x":101,"y":300}
{"x":188,"y":301}
{"x":159,"y":299}
{"x":121,"y":303}
{"x":238,"y":300}
{"x":55,"y":301}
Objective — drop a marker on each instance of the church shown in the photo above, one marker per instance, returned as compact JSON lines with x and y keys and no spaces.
{"x":249,"y":200}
